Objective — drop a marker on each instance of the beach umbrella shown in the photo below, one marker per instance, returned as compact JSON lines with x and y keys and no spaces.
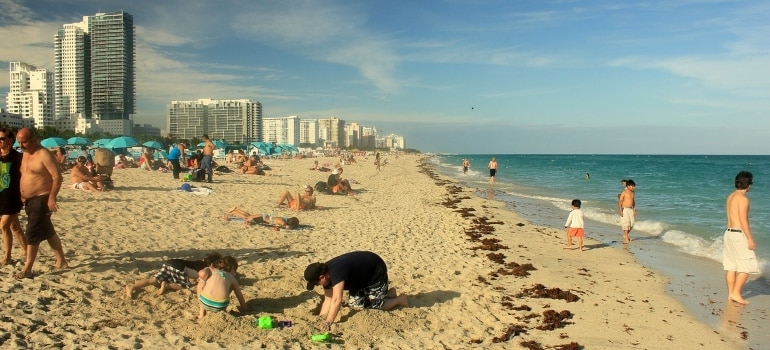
{"x":78,"y":141}
{"x":16,"y":144}
{"x":101,"y":143}
{"x":122,"y":142}
{"x":290,"y":148}
{"x":153,"y":144}
{"x":264,"y":147}
{"x":162,"y":154}
{"x":53,"y":142}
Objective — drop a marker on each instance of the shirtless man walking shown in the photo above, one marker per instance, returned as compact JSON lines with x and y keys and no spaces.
{"x":492,"y":169}
{"x":739,"y":259}
{"x":208,"y":156}
{"x":627,"y":209}
{"x":40,"y":183}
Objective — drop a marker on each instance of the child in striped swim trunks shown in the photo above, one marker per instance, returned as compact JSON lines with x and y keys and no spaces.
{"x":215,"y":283}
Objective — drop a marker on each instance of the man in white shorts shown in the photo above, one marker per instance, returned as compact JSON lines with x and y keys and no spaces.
{"x":739,"y":259}
{"x":627,"y":209}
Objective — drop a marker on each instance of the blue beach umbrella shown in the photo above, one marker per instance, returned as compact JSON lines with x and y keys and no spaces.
{"x":101,"y":143}
{"x":287,"y":147}
{"x":78,"y":141}
{"x":16,"y":144}
{"x":162,"y":154}
{"x":153,"y":144}
{"x":122,"y":142}
{"x":264,"y":147}
{"x":53,"y":142}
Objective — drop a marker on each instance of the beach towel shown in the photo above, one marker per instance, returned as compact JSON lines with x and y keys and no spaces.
{"x":187,"y":188}
{"x":241,"y":220}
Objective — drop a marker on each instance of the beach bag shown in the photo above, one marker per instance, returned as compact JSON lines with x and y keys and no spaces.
{"x":198,"y":175}
{"x":321,"y":187}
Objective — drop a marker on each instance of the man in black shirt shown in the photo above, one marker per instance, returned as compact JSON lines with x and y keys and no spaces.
{"x":363,"y":274}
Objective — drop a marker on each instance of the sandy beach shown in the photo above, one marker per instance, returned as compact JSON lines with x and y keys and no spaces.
{"x":477,"y":274}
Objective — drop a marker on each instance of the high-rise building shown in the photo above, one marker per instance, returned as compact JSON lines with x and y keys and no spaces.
{"x":367,"y":137}
{"x":234,"y":121}
{"x":332,"y":132}
{"x":353,"y":135}
{"x":308,"y":132}
{"x":71,"y":60}
{"x":113,"y":83}
{"x":281,"y":130}
{"x":31,"y":94}
{"x":95,"y":69}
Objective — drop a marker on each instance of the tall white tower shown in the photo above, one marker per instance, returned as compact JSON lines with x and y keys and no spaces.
{"x":31,"y":94}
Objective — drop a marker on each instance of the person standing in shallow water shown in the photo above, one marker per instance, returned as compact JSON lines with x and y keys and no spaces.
{"x":492,"y":169}
{"x":466,"y":165}
{"x":627,"y":209}
{"x":738,"y":258}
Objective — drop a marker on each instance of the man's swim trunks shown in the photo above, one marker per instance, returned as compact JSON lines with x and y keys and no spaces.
{"x":371,"y":297}
{"x":39,"y":225}
{"x":627,"y":220}
{"x":737,"y":256}
{"x":492,"y":172}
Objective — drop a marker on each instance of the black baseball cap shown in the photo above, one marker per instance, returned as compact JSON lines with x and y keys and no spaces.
{"x":312,"y":273}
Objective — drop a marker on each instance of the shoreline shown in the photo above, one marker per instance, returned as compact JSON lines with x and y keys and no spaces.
{"x":459,"y":293}
{"x":696,"y":282}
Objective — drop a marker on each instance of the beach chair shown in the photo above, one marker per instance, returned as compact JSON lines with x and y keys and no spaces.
{"x":104,"y":162}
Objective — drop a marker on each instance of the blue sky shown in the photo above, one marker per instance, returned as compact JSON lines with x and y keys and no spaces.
{"x":457,"y":76}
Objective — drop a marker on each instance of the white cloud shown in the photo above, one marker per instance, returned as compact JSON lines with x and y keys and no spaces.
{"x":324,"y":30}
{"x":13,"y":12}
{"x":746,"y":76}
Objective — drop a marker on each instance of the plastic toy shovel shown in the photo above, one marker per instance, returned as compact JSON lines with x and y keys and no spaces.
{"x":323,"y":337}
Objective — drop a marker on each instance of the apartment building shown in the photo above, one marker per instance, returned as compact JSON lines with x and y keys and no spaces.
{"x":31,"y":94}
{"x":235,"y":121}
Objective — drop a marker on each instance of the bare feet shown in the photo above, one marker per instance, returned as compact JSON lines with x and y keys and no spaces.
{"x":129,"y":292}
{"x":23,"y":274}
{"x":738,"y":299}
{"x":162,"y":289}
{"x":61,"y":265}
{"x":568,"y":247}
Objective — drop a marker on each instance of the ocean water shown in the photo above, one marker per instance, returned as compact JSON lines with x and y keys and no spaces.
{"x":680,"y":199}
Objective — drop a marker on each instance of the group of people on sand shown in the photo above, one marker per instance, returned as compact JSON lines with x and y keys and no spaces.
{"x":215,"y":276}
{"x":363,"y":274}
{"x":31,"y":180}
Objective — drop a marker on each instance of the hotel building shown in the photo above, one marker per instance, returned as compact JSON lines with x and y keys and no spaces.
{"x":31,"y":94}
{"x":95,"y":64}
{"x":234,"y":121}
{"x":281,"y":130}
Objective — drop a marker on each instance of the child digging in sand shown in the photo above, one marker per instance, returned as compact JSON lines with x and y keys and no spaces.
{"x":215,"y":283}
{"x":574,"y":225}
{"x":174,"y":274}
